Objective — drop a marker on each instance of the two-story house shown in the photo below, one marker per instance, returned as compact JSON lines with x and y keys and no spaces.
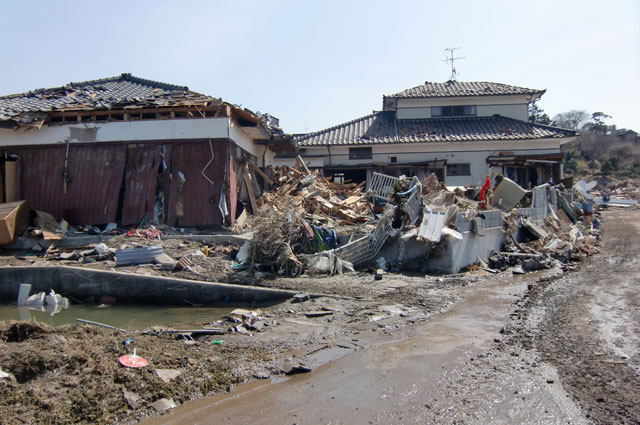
{"x":461,"y":131}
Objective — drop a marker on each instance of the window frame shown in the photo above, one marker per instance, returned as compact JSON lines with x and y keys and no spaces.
{"x":459,"y":169}
{"x":451,"y":111}
{"x":360,"y":153}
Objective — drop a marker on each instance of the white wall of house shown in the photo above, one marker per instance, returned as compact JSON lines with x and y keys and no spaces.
{"x":515,"y":107}
{"x":473,"y":153}
{"x":135,"y":131}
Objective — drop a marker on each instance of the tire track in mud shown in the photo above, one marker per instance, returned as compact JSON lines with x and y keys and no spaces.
{"x":585,"y":324}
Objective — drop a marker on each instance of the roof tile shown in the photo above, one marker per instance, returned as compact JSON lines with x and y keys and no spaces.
{"x":459,"y":88}
{"x":382,"y":127}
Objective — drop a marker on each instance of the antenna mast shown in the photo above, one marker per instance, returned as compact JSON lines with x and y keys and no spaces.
{"x":451,"y":59}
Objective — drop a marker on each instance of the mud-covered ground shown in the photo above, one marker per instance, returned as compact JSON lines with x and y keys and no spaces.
{"x":72,"y":374}
{"x":550,"y":347}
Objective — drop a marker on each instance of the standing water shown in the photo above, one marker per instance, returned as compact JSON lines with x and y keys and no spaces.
{"x":125,"y":316}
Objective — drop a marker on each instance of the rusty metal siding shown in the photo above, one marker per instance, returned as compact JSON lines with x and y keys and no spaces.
{"x":200,"y":197}
{"x":232,"y":187}
{"x":140,"y":182}
{"x":95,"y":177}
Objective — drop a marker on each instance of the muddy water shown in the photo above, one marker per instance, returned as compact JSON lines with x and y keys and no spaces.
{"x":125,"y":316}
{"x":437,"y":372}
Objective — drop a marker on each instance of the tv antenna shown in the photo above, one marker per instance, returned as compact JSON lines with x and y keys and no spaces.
{"x":451,"y":59}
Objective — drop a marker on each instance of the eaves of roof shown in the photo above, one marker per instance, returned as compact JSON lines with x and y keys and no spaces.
{"x":384,"y":128}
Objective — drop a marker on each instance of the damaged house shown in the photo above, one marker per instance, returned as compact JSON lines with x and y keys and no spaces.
{"x":461,"y":131}
{"x":128,"y":150}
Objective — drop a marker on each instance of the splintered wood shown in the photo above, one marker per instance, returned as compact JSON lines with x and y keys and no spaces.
{"x":315,"y":195}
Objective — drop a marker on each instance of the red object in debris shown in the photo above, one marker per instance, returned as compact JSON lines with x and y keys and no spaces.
{"x":133,"y":361}
{"x":151,"y":234}
{"x":485,"y":187}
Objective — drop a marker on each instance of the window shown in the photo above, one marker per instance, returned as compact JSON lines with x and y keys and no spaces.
{"x":459,"y":169}
{"x":453,"y":111}
{"x":360,"y":153}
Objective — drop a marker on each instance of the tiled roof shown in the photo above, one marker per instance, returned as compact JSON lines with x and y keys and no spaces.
{"x":109,"y":93}
{"x":459,"y":88}
{"x":382,"y":127}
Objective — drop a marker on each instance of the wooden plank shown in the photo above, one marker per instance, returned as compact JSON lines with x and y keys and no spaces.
{"x":302,"y":164}
{"x":351,"y":200}
{"x":260,"y":172}
{"x":249,"y":186}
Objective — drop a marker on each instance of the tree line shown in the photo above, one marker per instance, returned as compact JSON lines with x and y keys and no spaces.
{"x":600,"y":148}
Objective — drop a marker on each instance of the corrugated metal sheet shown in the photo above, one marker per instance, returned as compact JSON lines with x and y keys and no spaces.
{"x":95,"y":177}
{"x":140,"y":182}
{"x":97,"y":173}
{"x":200,"y":198}
{"x":232,"y":186}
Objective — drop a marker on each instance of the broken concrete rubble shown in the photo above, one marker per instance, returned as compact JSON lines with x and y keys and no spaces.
{"x":398,"y":210}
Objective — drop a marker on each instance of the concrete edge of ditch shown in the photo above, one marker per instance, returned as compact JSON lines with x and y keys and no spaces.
{"x":82,"y":284}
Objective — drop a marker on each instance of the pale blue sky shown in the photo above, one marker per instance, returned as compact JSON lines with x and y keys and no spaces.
{"x":319,"y":64}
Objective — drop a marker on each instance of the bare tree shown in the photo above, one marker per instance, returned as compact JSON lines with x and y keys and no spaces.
{"x":571,"y":119}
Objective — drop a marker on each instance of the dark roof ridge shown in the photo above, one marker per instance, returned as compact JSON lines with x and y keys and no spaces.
{"x":463,"y":87}
{"x":127,"y":76}
{"x":122,"y":77}
{"x":344,"y":124}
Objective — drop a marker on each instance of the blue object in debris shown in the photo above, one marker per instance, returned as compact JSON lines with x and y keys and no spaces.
{"x":324,"y":239}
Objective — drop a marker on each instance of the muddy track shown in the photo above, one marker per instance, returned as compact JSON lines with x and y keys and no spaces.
{"x":585,"y":324}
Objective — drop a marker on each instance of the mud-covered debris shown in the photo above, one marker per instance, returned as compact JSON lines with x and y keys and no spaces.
{"x":301,"y":297}
{"x":167,"y":375}
{"x":163,"y":405}
{"x":131,"y":398}
{"x":295,"y":368}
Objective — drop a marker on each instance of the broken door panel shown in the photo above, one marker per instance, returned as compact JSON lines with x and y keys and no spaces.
{"x":140,"y":182}
{"x":197,"y":177}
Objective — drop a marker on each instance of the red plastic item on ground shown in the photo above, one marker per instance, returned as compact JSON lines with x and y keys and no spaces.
{"x":133,"y":361}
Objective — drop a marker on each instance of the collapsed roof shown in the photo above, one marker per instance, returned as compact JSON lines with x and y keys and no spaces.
{"x":120,"y":98}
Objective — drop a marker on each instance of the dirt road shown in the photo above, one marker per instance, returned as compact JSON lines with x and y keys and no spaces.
{"x":544,"y":348}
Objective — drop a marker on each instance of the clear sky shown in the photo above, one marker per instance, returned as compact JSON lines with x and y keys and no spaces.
{"x":322,"y":63}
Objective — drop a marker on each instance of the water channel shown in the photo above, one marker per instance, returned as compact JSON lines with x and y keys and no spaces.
{"x":125,"y":316}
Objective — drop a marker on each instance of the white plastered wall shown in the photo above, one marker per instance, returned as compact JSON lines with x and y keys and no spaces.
{"x":473,"y":153}
{"x":507,"y":106}
{"x":135,"y":131}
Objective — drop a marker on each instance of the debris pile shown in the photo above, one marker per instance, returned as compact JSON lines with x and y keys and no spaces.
{"x":309,"y":223}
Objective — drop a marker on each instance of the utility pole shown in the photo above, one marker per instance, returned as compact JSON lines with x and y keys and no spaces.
{"x":451,"y":59}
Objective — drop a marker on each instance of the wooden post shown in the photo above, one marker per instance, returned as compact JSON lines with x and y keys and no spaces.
{"x":247,"y":182}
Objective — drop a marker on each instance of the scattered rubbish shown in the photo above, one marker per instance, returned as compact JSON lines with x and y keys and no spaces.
{"x":151,"y":233}
{"x":507,"y":194}
{"x":101,"y":249}
{"x":432,"y":226}
{"x":218,"y":342}
{"x":165,"y":262}
{"x":301,"y":297}
{"x":23,"y":293}
{"x":133,"y":360}
{"x":6,"y":375}
{"x":132,"y":399}
{"x":319,"y":313}
{"x":89,"y":322}
{"x":295,"y":368}
{"x":163,"y":405}
{"x":183,"y":264}
{"x":137,"y":255}
{"x":14,"y":218}
{"x":167,"y":375}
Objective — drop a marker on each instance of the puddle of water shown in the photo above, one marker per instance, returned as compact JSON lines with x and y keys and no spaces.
{"x":125,"y":316}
